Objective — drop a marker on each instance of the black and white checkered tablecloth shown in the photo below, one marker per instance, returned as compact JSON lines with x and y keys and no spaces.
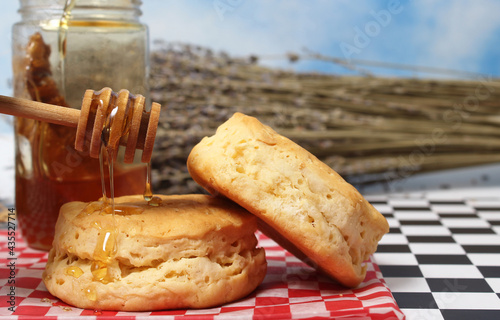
{"x":441,"y":259}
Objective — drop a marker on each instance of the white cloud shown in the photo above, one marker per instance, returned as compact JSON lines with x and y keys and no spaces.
{"x":450,"y":34}
{"x":456,"y":34}
{"x":254,"y":26}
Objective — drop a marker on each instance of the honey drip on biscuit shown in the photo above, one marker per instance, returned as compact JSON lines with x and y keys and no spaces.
{"x":91,"y":294}
{"x":74,"y":271}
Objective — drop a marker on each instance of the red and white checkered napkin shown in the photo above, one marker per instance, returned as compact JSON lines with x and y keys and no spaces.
{"x":291,"y":290}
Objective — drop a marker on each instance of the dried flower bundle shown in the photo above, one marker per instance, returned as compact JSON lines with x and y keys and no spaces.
{"x":369,"y":129}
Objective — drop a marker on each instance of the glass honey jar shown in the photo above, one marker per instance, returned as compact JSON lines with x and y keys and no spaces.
{"x":60,"y":49}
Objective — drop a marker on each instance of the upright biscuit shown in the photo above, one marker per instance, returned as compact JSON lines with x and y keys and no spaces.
{"x":300,"y":202}
{"x":192,"y":251}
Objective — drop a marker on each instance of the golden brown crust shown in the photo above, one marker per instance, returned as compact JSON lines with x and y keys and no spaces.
{"x":301,"y":202}
{"x":193,"y":251}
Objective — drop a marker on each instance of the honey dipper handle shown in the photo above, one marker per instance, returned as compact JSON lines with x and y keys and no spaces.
{"x":39,"y":111}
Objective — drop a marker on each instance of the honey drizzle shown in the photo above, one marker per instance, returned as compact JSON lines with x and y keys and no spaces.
{"x":148,"y":192}
{"x":106,"y":245}
{"x":62,"y":37}
{"x":103,"y":182}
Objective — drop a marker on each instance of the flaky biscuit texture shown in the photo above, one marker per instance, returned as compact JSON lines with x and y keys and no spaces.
{"x":192,"y":251}
{"x":301,"y":202}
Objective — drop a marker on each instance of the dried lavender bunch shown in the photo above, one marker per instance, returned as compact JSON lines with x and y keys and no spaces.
{"x":369,"y":129}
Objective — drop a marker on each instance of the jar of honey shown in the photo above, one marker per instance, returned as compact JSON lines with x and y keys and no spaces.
{"x":60,"y":49}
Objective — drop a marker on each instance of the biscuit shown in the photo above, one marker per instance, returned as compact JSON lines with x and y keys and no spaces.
{"x":192,"y":251}
{"x":301,"y":202}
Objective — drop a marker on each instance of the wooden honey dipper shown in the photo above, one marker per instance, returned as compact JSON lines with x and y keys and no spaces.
{"x":131,"y":125}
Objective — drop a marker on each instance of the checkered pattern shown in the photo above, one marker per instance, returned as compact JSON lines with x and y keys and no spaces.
{"x":441,"y":259}
{"x":291,"y":289}
{"x":39,"y":230}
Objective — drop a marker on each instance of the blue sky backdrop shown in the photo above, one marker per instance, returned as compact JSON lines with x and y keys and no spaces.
{"x":452,"y":34}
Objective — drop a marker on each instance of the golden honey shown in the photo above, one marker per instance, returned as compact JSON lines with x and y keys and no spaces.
{"x":91,"y":294}
{"x":74,"y":271}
